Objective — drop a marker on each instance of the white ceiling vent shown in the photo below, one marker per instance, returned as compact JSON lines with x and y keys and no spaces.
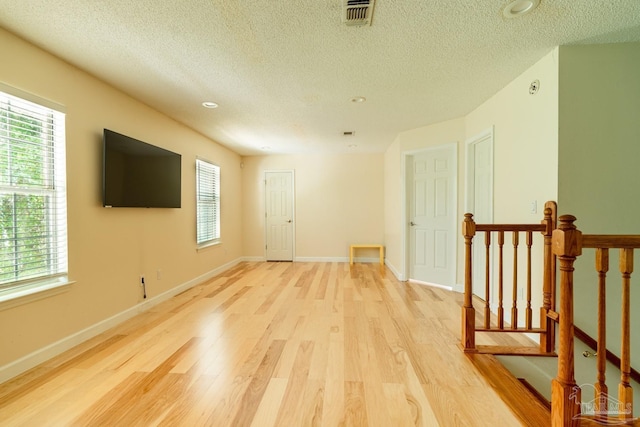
{"x":357,"y":12}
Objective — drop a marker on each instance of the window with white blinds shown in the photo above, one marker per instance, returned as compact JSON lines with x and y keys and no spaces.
{"x":208,"y":202}
{"x":33,"y":217}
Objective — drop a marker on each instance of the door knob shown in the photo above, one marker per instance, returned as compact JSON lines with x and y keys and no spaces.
{"x":413,"y":223}
{"x":289,"y":221}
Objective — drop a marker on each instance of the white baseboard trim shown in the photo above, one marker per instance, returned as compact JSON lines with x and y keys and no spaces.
{"x":43,"y":354}
{"x":316,"y":259}
{"x":337,"y":259}
{"x":433,"y":285}
{"x":320,"y":259}
{"x":395,"y":271}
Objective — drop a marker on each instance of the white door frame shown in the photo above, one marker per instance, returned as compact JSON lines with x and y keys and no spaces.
{"x":406,"y":241}
{"x":469,"y":200}
{"x":293,"y":209}
{"x":470,"y":168}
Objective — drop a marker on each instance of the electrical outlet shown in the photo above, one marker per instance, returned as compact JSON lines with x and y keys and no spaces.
{"x":533,"y":207}
{"x":159,"y":274}
{"x":144,"y":286}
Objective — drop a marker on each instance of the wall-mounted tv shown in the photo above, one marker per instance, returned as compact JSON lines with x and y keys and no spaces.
{"x":139,"y":175}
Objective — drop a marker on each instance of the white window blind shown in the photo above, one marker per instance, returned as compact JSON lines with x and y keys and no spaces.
{"x":33,"y":216}
{"x":208,"y":202}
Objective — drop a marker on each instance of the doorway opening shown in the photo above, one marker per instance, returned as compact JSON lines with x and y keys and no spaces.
{"x":479,"y":198}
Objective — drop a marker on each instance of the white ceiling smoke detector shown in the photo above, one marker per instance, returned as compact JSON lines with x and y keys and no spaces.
{"x":357,"y":13}
{"x":519,"y":8}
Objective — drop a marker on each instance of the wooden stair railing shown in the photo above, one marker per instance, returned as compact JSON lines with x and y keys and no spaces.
{"x":566,"y":398}
{"x":548,"y":315}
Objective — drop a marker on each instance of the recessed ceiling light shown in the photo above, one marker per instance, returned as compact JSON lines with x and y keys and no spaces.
{"x":519,"y":8}
{"x":209,"y":104}
{"x":358,"y":99}
{"x":265,"y":147}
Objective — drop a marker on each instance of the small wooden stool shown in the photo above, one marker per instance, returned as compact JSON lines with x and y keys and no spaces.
{"x":380,"y":247}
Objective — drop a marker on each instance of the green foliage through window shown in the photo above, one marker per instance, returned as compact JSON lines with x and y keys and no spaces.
{"x":32,"y":195}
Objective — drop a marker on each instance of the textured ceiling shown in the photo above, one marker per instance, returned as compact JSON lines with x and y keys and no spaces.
{"x":283,"y":72}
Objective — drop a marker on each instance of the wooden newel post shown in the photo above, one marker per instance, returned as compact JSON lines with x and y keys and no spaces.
{"x":565,"y":394}
{"x":468,"y":312}
{"x":547,"y":339}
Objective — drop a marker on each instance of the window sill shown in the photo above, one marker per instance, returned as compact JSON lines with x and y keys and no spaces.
{"x":208,"y":245}
{"x":33,"y":292}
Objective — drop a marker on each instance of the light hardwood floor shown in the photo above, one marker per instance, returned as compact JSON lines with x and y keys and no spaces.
{"x":271,"y":344}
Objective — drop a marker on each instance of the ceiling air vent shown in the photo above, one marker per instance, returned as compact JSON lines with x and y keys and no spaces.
{"x":357,"y":12}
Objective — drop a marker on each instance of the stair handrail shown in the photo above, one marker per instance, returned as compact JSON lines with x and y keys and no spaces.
{"x":566,"y":395}
{"x":548,"y":315}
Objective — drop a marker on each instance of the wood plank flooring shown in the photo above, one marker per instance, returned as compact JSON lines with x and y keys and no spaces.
{"x":271,"y":344}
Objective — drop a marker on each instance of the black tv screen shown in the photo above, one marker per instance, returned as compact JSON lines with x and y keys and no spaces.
{"x":139,"y":175}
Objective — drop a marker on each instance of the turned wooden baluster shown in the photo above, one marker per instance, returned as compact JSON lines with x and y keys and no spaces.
{"x":529,"y":312}
{"x":500,"y":281}
{"x":468,"y":312}
{"x":514,"y":291}
{"x":551,"y":221}
{"x":547,"y":339}
{"x":565,"y":394}
{"x":625,"y":392}
{"x":487,"y":284}
{"x":601,"y":390}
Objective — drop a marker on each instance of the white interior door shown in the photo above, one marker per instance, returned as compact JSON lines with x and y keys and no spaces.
{"x":432,"y":216}
{"x":279,"y":218}
{"x":480,"y":200}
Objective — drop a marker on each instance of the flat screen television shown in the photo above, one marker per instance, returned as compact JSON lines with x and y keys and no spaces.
{"x":139,"y":175}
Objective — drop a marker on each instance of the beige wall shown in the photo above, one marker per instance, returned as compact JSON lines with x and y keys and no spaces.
{"x":525,"y":141}
{"x":110,"y":248}
{"x":599,"y":130}
{"x":599,"y":149}
{"x":393,"y":220}
{"x":525,"y":154}
{"x":338,"y":201}
{"x":525,"y":164}
{"x":598,"y":167}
